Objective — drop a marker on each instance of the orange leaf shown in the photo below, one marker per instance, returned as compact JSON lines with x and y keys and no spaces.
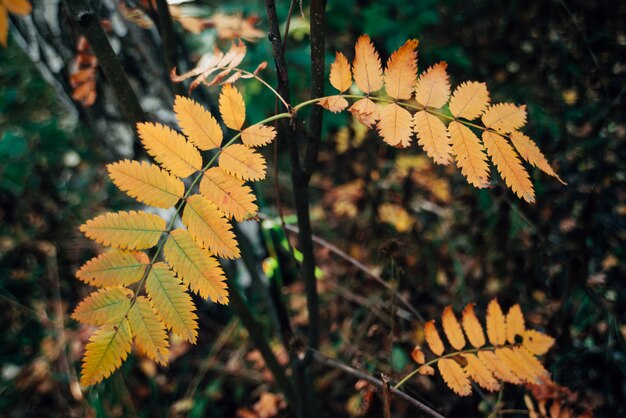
{"x":333,"y":103}
{"x":469,"y":154}
{"x":514,"y":323}
{"x":365,"y":111}
{"x":340,"y":75}
{"x":395,"y":125}
{"x":170,"y":149}
{"x":537,"y":342}
{"x":242,"y":162}
{"x":232,"y":107}
{"x":401,"y":71}
{"x":418,"y":355}
{"x":228,"y":193}
{"x":368,"y":74}
{"x":505,"y":117}
{"x":496,"y":366}
{"x":529,"y":151}
{"x":469,"y":100}
{"x":433,"y":87}
{"x":433,"y":137}
{"x":480,"y":374}
{"x":258,"y":135}
{"x":472,"y":326}
{"x":454,"y":376}
{"x":432,"y":338}
{"x":504,"y":157}
{"x":496,"y":323}
{"x":197,"y":123}
{"x":452,"y":328}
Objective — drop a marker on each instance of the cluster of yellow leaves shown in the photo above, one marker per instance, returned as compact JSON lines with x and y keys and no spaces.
{"x":430,"y":99}
{"x":510,"y":357}
{"x":188,"y":260}
{"x":17,"y":7}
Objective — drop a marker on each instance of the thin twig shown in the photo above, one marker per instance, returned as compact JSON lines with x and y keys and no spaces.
{"x":330,"y":362}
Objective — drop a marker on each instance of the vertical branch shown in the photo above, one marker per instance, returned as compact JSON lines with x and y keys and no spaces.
{"x":111,"y":66}
{"x":168,"y":41}
{"x":318,"y":71}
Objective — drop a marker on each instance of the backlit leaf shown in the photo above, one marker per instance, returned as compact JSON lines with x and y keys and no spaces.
{"x":108,"y":347}
{"x":401,"y":71}
{"x":232,"y":107}
{"x":104,"y":306}
{"x":173,"y":303}
{"x":469,"y":100}
{"x":340,"y":75}
{"x":149,"y":331}
{"x":432,"y":135}
{"x":366,"y":112}
{"x":452,"y":328}
{"x":473,"y":328}
{"x":530,"y":152}
{"x":496,"y":323}
{"x":368,"y":73}
{"x":258,"y":135}
{"x":114,"y":268}
{"x":134,"y":230}
{"x":514,"y":323}
{"x":395,"y":125}
{"x":537,"y":342}
{"x":433,"y":87}
{"x":454,"y":376}
{"x":197,"y":123}
{"x":147,"y":183}
{"x":432,"y":338}
{"x":480,"y":374}
{"x":469,"y":154}
{"x":505,"y":117}
{"x":496,"y":366}
{"x":243,"y":162}
{"x":196,"y":267}
{"x":170,"y":149}
{"x":335,"y":104}
{"x":228,"y":193}
{"x":509,"y":166}
{"x":209,"y":227}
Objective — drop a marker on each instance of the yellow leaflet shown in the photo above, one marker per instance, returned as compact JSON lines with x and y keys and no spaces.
{"x":232,"y":107}
{"x":134,"y":230}
{"x":433,"y":87}
{"x":209,"y":227}
{"x":104,"y":306}
{"x":114,"y":268}
{"x":401,"y":71}
{"x":340,"y":75}
{"x":170,"y":149}
{"x":173,"y":303}
{"x":469,"y":100}
{"x":469,"y":154}
{"x":147,"y":183}
{"x":197,"y":123}
{"x":108,"y":347}
{"x":228,"y":193}
{"x":368,"y":73}
{"x":195,"y":266}
{"x":258,"y":135}
{"x":433,"y":137}
{"x":505,"y":117}
{"x":149,"y":331}
{"x":509,"y":166}
{"x":242,"y":162}
{"x":395,"y":125}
